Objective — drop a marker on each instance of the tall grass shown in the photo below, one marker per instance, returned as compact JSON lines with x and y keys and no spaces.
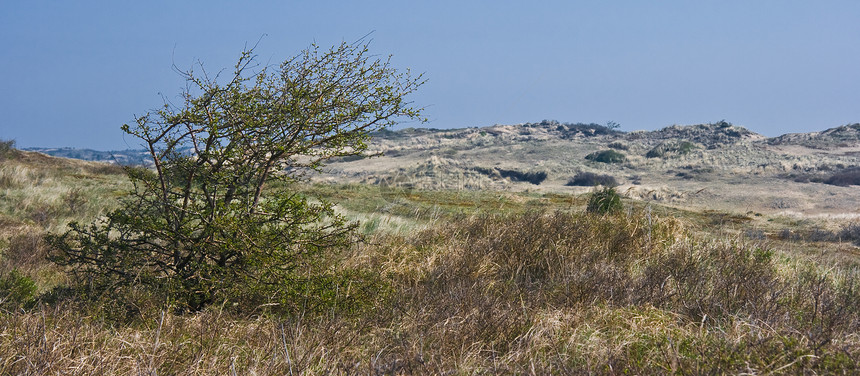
{"x":531,"y":293}
{"x":40,"y":194}
{"x":587,"y":294}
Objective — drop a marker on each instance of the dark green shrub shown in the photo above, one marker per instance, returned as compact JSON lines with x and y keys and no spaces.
{"x":618,"y":146}
{"x":604,"y":201}
{"x":571,"y":130}
{"x":6,"y":148}
{"x":348,"y":158}
{"x":606,"y":156}
{"x":844,"y":178}
{"x":16,"y":291}
{"x":535,"y":177}
{"x":851,"y":233}
{"x":722,"y":124}
{"x":671,"y":148}
{"x":590,"y":179}
{"x":821,"y":235}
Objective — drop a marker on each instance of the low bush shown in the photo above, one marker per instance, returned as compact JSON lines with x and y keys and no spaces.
{"x":670,"y":148}
{"x":604,"y":201}
{"x":572,"y":130}
{"x":618,"y":146}
{"x":590,"y":179}
{"x":803,"y":178}
{"x":844,"y":178}
{"x":534,"y":177}
{"x":606,"y":156}
{"x":821,"y":235}
{"x":347,"y":158}
{"x":569,"y":259}
{"x":6,"y":148}
{"x":851,"y":232}
{"x":848,"y":233}
{"x":16,"y":291}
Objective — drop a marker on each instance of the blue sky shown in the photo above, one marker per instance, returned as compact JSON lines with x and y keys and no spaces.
{"x":74,"y":72}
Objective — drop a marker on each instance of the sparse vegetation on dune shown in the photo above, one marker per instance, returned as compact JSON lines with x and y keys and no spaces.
{"x":844,"y":178}
{"x":590,"y":179}
{"x":841,"y":177}
{"x":452,"y":281}
{"x":843,"y":136}
{"x":618,"y":146}
{"x":533,"y":177}
{"x":670,"y":148}
{"x":606,"y":156}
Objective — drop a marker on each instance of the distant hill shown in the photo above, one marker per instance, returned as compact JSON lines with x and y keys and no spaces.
{"x":844,"y":136}
{"x":127,"y":157}
{"x":708,"y":135}
{"x":716,"y":165}
{"x":711,"y":136}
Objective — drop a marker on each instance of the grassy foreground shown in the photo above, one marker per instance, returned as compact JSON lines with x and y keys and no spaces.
{"x":466,"y":283}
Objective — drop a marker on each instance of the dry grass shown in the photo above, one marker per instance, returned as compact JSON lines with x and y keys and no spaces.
{"x":40,"y":194}
{"x":532,"y":293}
{"x":60,"y":341}
{"x":47,"y":192}
{"x":470,"y":284}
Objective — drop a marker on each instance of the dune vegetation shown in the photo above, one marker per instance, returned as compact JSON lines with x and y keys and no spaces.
{"x":444,"y":282}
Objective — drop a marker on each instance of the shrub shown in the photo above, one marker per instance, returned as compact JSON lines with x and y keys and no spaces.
{"x":722,"y":124}
{"x":845,"y":177}
{"x":590,"y":179}
{"x":16,"y":291}
{"x":788,"y":234}
{"x":535,"y":177}
{"x":7,"y":147}
{"x":618,"y":146}
{"x":604,"y":201}
{"x":821,"y":235}
{"x":532,"y":177}
{"x":670,"y":148}
{"x":606,"y":156}
{"x":851,"y":232}
{"x":571,"y":130}
{"x":226,"y":223}
{"x":348,"y":158}
{"x":848,"y":233}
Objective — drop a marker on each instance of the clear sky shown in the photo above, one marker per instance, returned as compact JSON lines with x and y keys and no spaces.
{"x":74,"y":72}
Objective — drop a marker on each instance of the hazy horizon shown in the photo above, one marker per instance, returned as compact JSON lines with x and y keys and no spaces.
{"x":142,"y":147}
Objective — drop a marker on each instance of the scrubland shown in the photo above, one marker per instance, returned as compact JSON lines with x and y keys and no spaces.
{"x":463,"y":282}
